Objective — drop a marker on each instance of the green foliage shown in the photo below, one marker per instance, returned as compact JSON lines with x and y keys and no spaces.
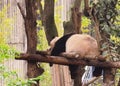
{"x":107,"y":12}
{"x":108,"y":15}
{"x":5,"y":25}
{"x":115,"y":33}
{"x":5,"y":28}
{"x":45,"y":78}
{"x":42,"y":42}
{"x":115,"y":39}
{"x":10,"y":77}
{"x":85,"y":23}
{"x":117,"y":77}
{"x":58,"y":20}
{"x":6,"y":52}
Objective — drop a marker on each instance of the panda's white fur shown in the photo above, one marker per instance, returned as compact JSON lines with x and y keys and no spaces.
{"x":52,"y":43}
{"x":83,"y":44}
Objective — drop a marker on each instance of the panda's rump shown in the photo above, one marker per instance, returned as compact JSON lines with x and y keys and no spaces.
{"x":85,"y":45}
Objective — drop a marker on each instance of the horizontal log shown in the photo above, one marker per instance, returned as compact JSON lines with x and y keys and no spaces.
{"x":77,"y":56}
{"x":73,"y":55}
{"x":65,"y":61}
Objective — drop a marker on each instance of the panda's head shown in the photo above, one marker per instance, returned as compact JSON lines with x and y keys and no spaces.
{"x":58,"y":44}
{"x":53,"y":42}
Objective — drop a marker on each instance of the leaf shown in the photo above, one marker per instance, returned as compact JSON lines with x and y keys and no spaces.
{"x":108,"y":17}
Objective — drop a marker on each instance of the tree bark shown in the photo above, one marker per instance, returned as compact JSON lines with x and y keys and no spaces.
{"x":31,"y":32}
{"x":108,"y":77}
{"x":48,"y":20}
{"x":76,"y":16}
{"x":73,"y":26}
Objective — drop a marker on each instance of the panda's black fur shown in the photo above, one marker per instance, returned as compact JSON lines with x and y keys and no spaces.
{"x":60,"y":46}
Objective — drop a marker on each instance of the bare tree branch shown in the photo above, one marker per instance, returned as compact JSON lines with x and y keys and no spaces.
{"x":65,"y":61}
{"x":76,"y":16}
{"x":88,"y":12}
{"x":21,"y":10}
{"x":91,"y":81}
{"x":76,"y":19}
{"x":97,"y":31}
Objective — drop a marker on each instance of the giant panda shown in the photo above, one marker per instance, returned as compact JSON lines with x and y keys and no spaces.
{"x":83,"y":44}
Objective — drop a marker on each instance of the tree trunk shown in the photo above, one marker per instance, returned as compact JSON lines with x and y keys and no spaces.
{"x":108,"y":77}
{"x":48,"y":20}
{"x":78,"y":79}
{"x":51,"y":32}
{"x":109,"y":73}
{"x":74,"y":25}
{"x":31,"y":32}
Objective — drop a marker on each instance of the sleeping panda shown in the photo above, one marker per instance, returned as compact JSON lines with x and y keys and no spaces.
{"x":83,"y":44}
